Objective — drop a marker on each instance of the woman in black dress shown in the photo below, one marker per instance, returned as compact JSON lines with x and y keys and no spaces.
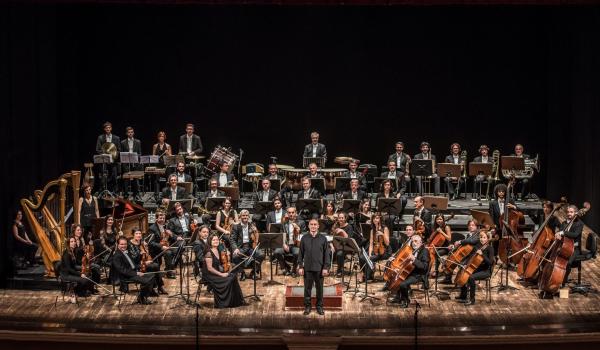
{"x":23,"y":244}
{"x":88,"y":210}
{"x":69,"y":271}
{"x":225,"y":286}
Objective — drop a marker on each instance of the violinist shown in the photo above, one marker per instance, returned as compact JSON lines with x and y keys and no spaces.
{"x":482,"y":272}
{"x":387,"y":192}
{"x":180,"y":228}
{"x":420,"y":260}
{"x":82,"y":249}
{"x":125,"y":269}
{"x":293,"y":229}
{"x":423,"y":213}
{"x":472,"y":238}
{"x":379,"y":244}
{"x":574,"y":233}
{"x":224,"y":285}
{"x":242,"y":242}
{"x":226,"y":218}
{"x":107,"y":240}
{"x":139,"y":253}
{"x":365,"y":213}
{"x":445,"y":230}
{"x":454,"y":158}
{"x":69,"y":271}
{"x":343,"y":229}
{"x":159,"y":240}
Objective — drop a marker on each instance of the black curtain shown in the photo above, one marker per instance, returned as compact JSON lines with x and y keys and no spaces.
{"x":261,"y":78}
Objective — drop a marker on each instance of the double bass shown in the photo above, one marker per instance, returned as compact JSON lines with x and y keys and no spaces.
{"x":558,"y":255}
{"x":512,"y":239}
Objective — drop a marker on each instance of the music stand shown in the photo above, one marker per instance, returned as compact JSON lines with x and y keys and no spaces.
{"x":275,"y":228}
{"x":391,"y":206}
{"x":275,"y":184}
{"x":312,"y":205}
{"x":342,"y":183}
{"x":263,"y":208}
{"x":485,"y":169}
{"x":449,"y":170}
{"x":435,"y":203}
{"x":377,"y":184}
{"x":104,"y":159}
{"x":231,"y":191}
{"x":187,"y":204}
{"x":318,"y":183}
{"x":347,"y":246}
{"x":271,"y":241}
{"x":370,"y":264}
{"x":421,"y":168}
{"x":350,"y":205}
{"x":213,"y":204}
{"x":483,"y":217}
{"x":512,"y":163}
{"x":187,"y":186}
{"x":320,"y":161}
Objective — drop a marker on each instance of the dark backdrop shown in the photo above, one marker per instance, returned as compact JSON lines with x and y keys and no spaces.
{"x":261,"y":78}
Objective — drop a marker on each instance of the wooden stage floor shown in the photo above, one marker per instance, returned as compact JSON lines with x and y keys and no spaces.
{"x":512,"y":317}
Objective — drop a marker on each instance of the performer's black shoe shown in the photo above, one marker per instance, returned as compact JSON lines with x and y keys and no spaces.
{"x":306,"y":310}
{"x":320,"y":311}
{"x":242,"y":276}
{"x":403,"y":304}
{"x":396,"y":300}
{"x":470,"y":302}
{"x":162,"y":291}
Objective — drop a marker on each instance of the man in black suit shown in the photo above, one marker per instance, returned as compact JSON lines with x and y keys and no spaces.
{"x":454,"y":158}
{"x":523,"y":182}
{"x":180,"y":173}
{"x":156,"y":231}
{"x":314,"y":262}
{"x":172,"y":192}
{"x":482,"y":158}
{"x":400,"y":158}
{"x":291,"y":228}
{"x":213,"y":192}
{"x":241,"y":242}
{"x":308,"y":192}
{"x":393,"y":173}
{"x":472,"y":238}
{"x":132,"y":145}
{"x":496,"y":206}
{"x":425,"y":154}
{"x":572,"y":228}
{"x":313,"y":171}
{"x":276,"y":216}
{"x":266,"y":194}
{"x":180,"y":227}
{"x":423,"y":213}
{"x":355,"y":191}
{"x":420,"y":260}
{"x":353,"y":174}
{"x":190,"y":143}
{"x":315,"y":149}
{"x":224,"y":177}
{"x":111,"y":168}
{"x":124,"y":269}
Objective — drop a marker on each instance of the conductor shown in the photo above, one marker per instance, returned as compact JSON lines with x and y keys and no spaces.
{"x":313,"y":262}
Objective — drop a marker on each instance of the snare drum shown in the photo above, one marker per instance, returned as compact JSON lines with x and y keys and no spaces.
{"x":330,"y":174}
{"x":219,"y":156}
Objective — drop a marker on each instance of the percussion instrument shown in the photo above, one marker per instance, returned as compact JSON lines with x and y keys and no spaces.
{"x":219,"y":156}
{"x":344,"y":160}
{"x":254,"y":178}
{"x":194,"y":157}
{"x":330,"y":174}
{"x":294,"y":177}
{"x":110,"y":148}
{"x":154,"y":170}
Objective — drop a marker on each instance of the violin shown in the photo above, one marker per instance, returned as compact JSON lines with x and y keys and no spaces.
{"x":469,"y":268}
{"x":254,"y":235}
{"x":379,"y":242}
{"x":224,"y":257}
{"x":86,"y":259}
{"x":145,"y":257}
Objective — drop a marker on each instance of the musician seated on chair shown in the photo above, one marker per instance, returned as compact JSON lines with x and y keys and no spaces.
{"x":137,"y":250}
{"x":482,"y":158}
{"x":401,"y":159}
{"x":190,"y":143}
{"x":424,"y":214}
{"x":125,"y":269}
{"x":180,"y":173}
{"x":70,"y":273}
{"x":572,"y":228}
{"x":472,"y":238}
{"x":224,"y":177}
{"x":426,"y":154}
{"x":355,"y":192}
{"x":354,"y":174}
{"x":293,"y":229}
{"x":496,"y":206}
{"x":157,"y":231}
{"x":523,"y":183}
{"x":313,"y":171}
{"x":419,"y":259}
{"x":394,"y":173}
{"x":483,"y":271}
{"x":172,"y":192}
{"x":315,"y":149}
{"x":276,"y":216}
{"x":242,"y":244}
{"x":454,"y":158}
{"x":108,"y":137}
{"x":307,"y":192}
{"x":213,"y":192}
{"x":379,"y":244}
{"x":343,"y":229}
{"x":199,"y":246}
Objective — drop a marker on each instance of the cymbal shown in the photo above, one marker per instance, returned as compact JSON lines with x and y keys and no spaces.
{"x":343,"y":160}
{"x":110,"y":148}
{"x":195,"y":157}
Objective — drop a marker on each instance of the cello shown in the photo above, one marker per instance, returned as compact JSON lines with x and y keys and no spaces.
{"x":436,"y":239}
{"x":558,"y":255}
{"x":400,"y":268}
{"x":512,"y":239}
{"x":469,"y":267}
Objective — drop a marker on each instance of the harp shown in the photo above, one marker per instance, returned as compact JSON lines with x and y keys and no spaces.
{"x":49,"y":212}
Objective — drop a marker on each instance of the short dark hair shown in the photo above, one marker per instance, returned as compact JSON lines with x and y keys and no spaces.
{"x":106,"y":124}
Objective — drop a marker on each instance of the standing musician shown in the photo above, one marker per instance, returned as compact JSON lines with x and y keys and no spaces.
{"x":439,"y":225}
{"x":496,"y":207}
{"x":482,"y":272}
{"x":130,"y":143}
{"x":423,"y":213}
{"x":420,"y":260}
{"x":226,"y":218}
{"x":394,"y":174}
{"x":190,"y":143}
{"x":313,"y":171}
{"x":24,"y":246}
{"x":161,"y":237}
{"x":81,"y":249}
{"x":275,"y":216}
{"x":353,"y":174}
{"x":161,"y":148}
{"x":482,"y":158}
{"x":379,"y":244}
{"x":125,"y":269}
{"x":180,"y":173}
{"x":401,"y":159}
{"x":224,"y":177}
{"x":355,"y":192}
{"x":242,"y":241}
{"x":574,"y":233}
{"x":523,"y":182}
{"x":108,"y":137}
{"x":315,"y":149}
{"x":224,"y":285}
{"x":471,"y":238}
{"x":344,"y":229}
{"x":426,"y":154}
{"x":293,"y":229}
{"x":313,"y":262}
{"x":139,"y":253}
{"x":70,"y":273}
{"x":172,"y":192}
{"x":88,"y":209}
{"x":454,"y":158}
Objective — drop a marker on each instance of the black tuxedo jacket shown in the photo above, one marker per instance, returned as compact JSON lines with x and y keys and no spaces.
{"x":313,"y":194}
{"x":403,"y":161}
{"x":206,"y":194}
{"x":360,"y":195}
{"x":137,"y":146}
{"x":450,"y":159}
{"x":321,"y":150}
{"x":494,"y":210}
{"x":478,"y":159}
{"x":187,"y":177}
{"x":196,"y":144}
{"x":122,"y":267}
{"x":426,"y":217}
{"x":271,"y":216}
{"x":102,"y":140}
{"x":216,"y":176}
{"x":258,"y":196}
{"x":175,"y":226}
{"x":166,"y":193}
{"x":237,"y":236}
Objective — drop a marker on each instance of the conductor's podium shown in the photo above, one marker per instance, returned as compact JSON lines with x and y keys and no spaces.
{"x":332,"y":297}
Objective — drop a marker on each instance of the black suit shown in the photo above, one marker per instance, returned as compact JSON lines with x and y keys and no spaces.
{"x":401,"y":166}
{"x":174,"y":225}
{"x":111,"y":168}
{"x":313,"y":257}
{"x":207,"y":194}
{"x":494,"y":210}
{"x":196,"y":144}
{"x":258,"y":196}
{"x":360,"y":195}
{"x":237,"y":242}
{"x":124,"y":271}
{"x":460,"y":180}
{"x":357,"y":175}
{"x":575,"y":234}
{"x":166,"y":193}
{"x":435,"y":177}
{"x":399,"y":179}
{"x":186,"y":177}
{"x":217,"y":176}
{"x":321,"y":150}
{"x":102,"y":140}
{"x":418,"y":274}
{"x":271,"y":218}
{"x":137,"y":146}
{"x":288,"y":238}
{"x":426,"y":217}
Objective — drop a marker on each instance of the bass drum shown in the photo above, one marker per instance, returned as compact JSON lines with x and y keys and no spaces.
{"x":219,"y":156}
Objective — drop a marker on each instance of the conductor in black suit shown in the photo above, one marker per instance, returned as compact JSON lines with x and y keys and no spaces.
{"x":108,"y":137}
{"x":314,"y":261}
{"x":190,"y":143}
{"x":315,"y":149}
{"x":173,"y":192}
{"x":124,"y":269}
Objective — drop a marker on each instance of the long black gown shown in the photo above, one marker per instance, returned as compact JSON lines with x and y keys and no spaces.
{"x":227,"y":290}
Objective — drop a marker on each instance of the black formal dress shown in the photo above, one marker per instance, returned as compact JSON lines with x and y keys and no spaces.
{"x":70,"y":273}
{"x":88,"y":212}
{"x":226,"y":290}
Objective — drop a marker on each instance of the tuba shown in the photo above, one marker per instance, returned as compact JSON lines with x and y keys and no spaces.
{"x":531,"y":165}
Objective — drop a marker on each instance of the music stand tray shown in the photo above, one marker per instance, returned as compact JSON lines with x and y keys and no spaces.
{"x":103,"y":159}
{"x":483,"y":217}
{"x":129,"y":158}
{"x":421,"y":167}
{"x":378,"y":180}
{"x":214,"y":203}
{"x":435,"y":203}
{"x":350,"y":205}
{"x":449,"y":170}
{"x":230,"y":191}
{"x":318,"y":184}
{"x":150,"y":159}
{"x":263,"y":207}
{"x":342,"y":183}
{"x":512,"y":163}
{"x":275,"y":228}
{"x":392,"y":206}
{"x":312,"y":205}
{"x":476,"y":168}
